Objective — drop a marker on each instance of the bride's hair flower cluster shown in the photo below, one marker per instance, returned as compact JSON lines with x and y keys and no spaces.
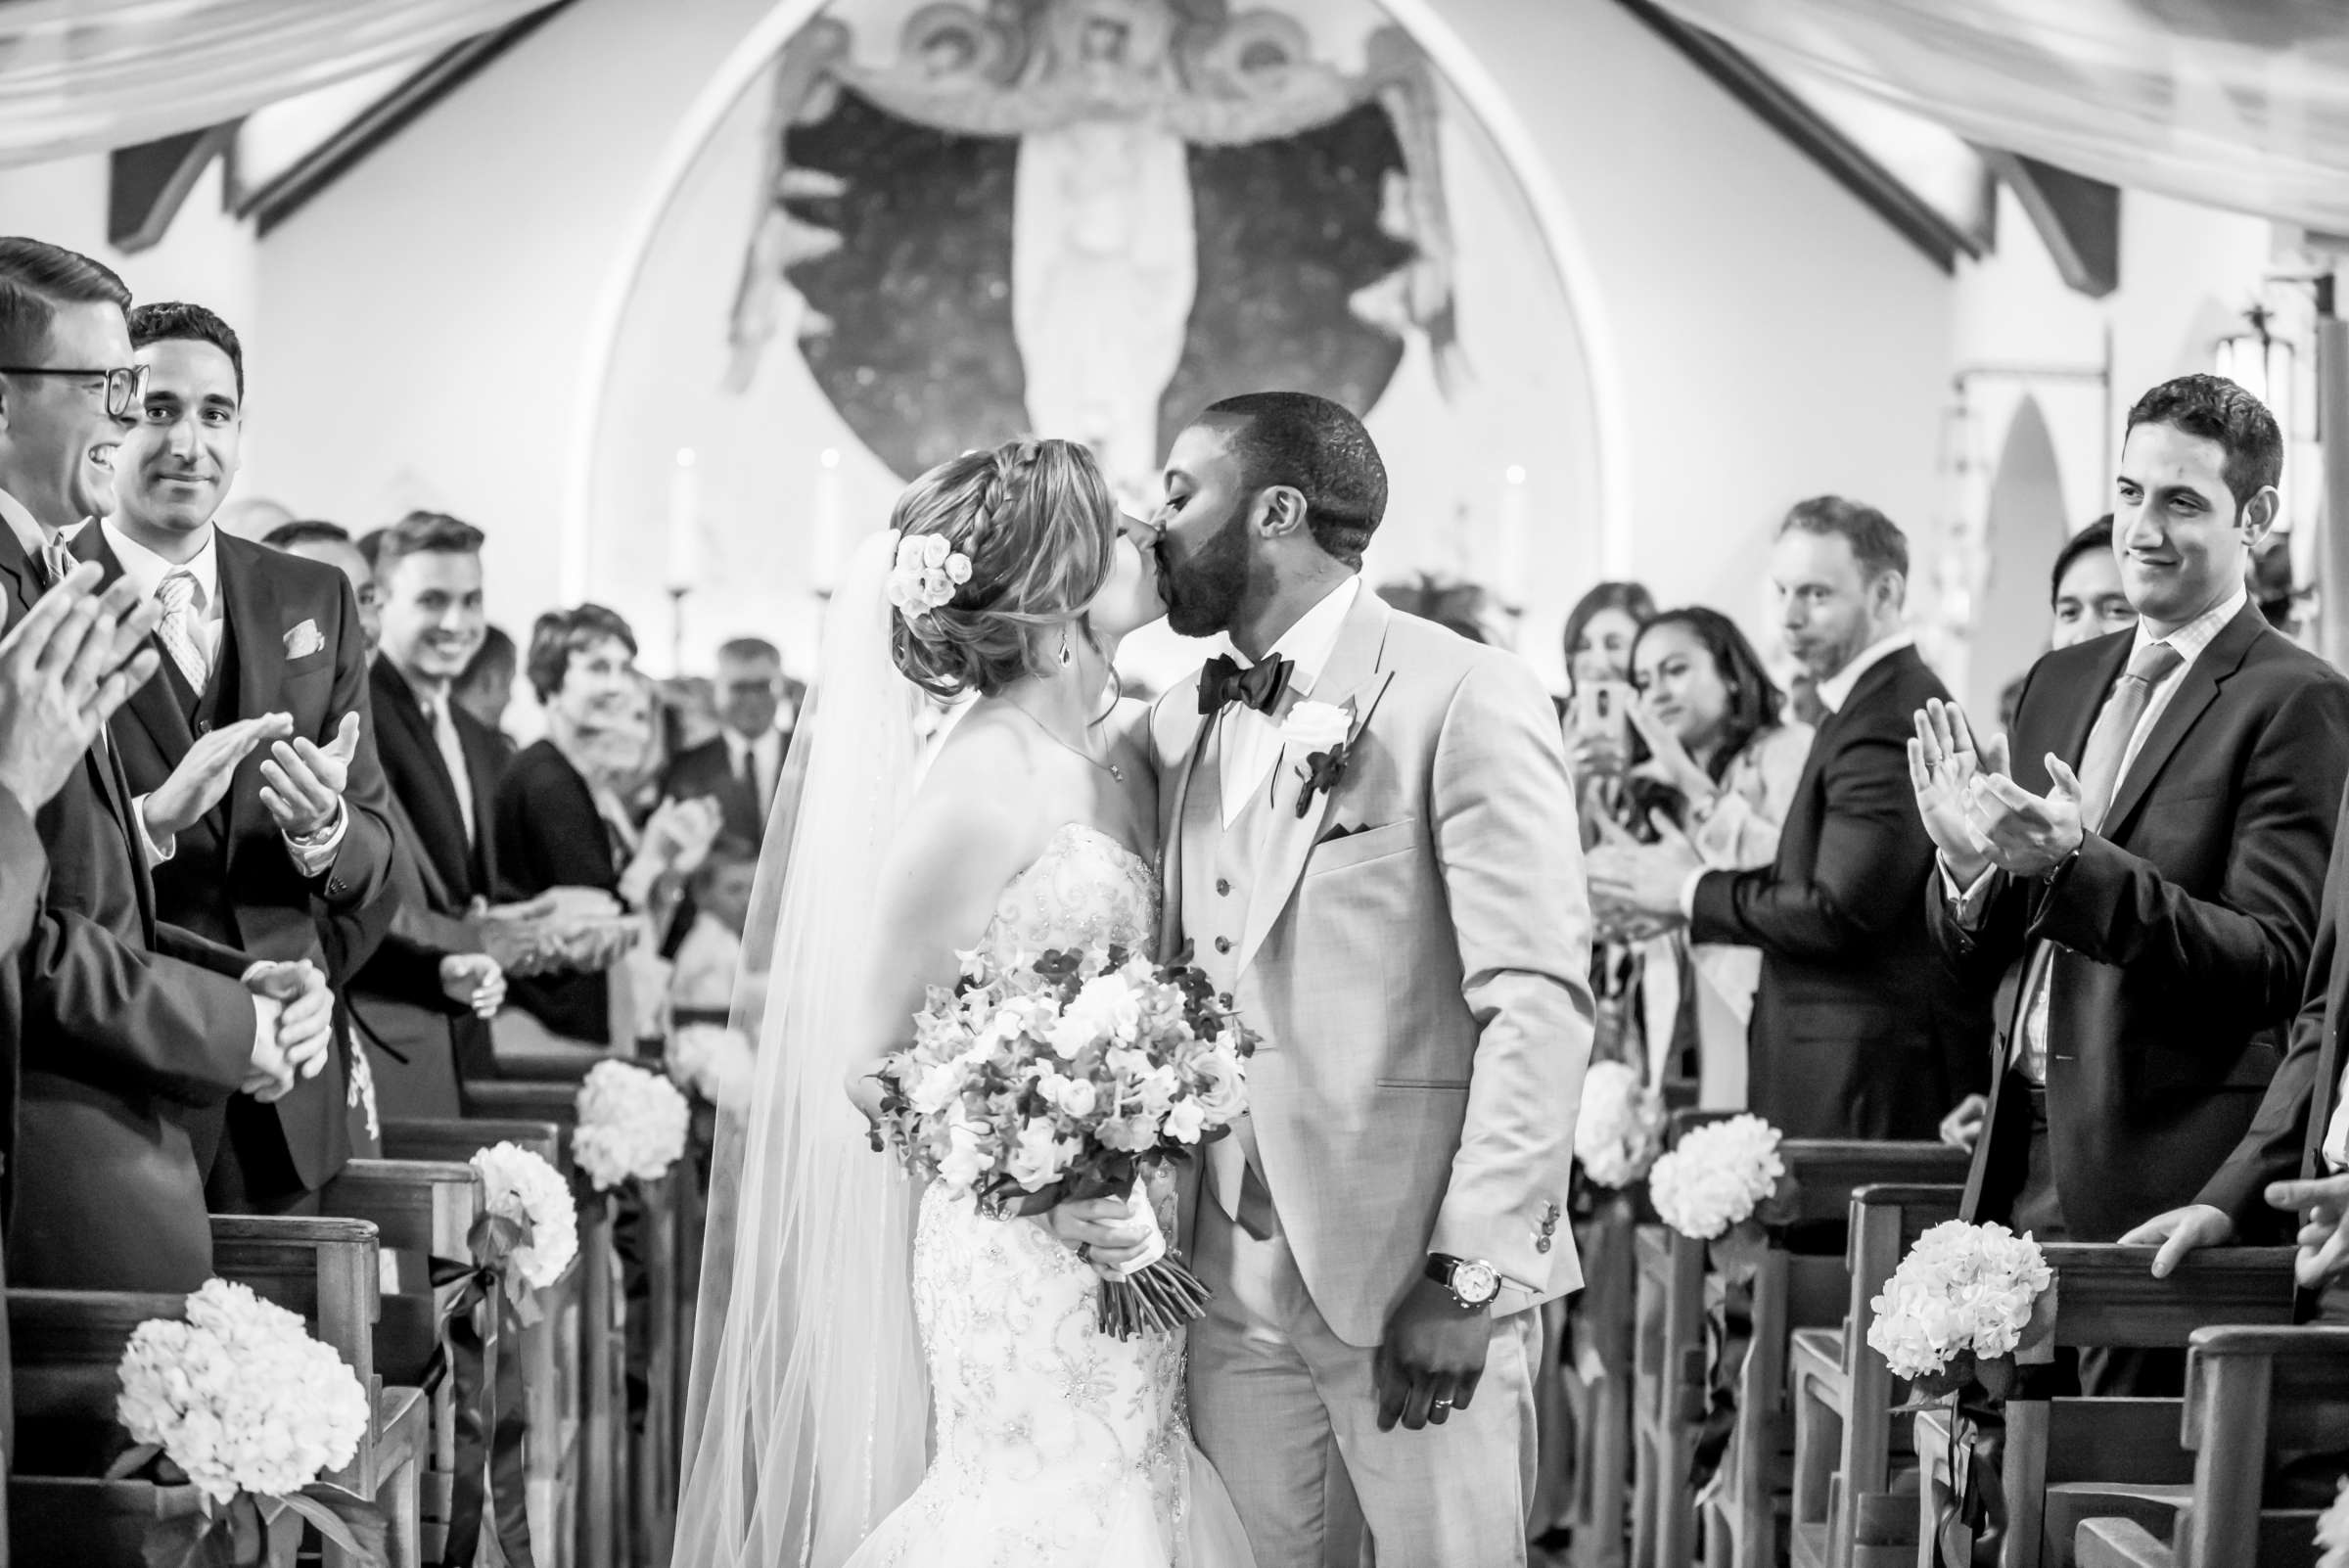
{"x":631,"y":1123}
{"x":1964,"y":1289}
{"x":1620,"y":1127}
{"x":1716,"y":1175}
{"x":927,"y":575}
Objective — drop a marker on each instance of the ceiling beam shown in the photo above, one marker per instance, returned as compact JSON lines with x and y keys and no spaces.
{"x":2078,"y":219}
{"x":146,"y":183}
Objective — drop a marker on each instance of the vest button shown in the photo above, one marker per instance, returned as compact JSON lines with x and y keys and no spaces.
{"x":1224,"y":887}
{"x":1222,"y":945}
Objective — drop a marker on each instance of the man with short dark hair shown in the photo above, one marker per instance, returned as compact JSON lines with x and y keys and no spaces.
{"x":743,"y":766}
{"x":249,"y":756}
{"x":1857,"y":1032}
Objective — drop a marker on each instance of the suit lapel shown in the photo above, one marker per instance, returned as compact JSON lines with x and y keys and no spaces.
{"x":397,"y":706}
{"x":250,"y":622}
{"x":2196,"y":690}
{"x":154,"y":707}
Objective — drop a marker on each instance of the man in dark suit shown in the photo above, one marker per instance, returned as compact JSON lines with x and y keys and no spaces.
{"x":1857,"y":1032}
{"x":741,"y":767}
{"x":267,"y":648}
{"x":425,"y":998}
{"x":2143,"y":874}
{"x":128,"y":1026}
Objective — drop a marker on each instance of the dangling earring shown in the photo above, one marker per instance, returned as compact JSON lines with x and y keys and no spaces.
{"x":1066,"y":656}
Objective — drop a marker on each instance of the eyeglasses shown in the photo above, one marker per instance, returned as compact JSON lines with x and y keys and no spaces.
{"x":125,"y":388}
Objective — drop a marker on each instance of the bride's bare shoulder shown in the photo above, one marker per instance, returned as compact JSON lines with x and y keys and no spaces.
{"x":971,"y":797}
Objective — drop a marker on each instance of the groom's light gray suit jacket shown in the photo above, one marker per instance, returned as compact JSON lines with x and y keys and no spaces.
{"x":1419,"y":979}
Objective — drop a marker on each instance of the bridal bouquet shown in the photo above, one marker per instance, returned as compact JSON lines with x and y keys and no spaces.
{"x":1621,"y":1125}
{"x":1716,"y":1177}
{"x":1956,"y":1309}
{"x":631,"y":1123}
{"x":242,"y":1399}
{"x":1071,"y":1076}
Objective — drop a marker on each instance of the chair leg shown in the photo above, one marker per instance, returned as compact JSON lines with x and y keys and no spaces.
{"x":401,"y":1499}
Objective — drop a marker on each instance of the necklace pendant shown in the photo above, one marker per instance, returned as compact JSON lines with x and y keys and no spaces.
{"x":1117,"y":773}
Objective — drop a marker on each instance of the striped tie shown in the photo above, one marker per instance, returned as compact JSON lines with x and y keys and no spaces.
{"x":177,"y":629}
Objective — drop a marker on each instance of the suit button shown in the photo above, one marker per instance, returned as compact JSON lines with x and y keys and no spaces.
{"x":203,"y":726}
{"x":1222,"y":945}
{"x":1541,"y":1244}
{"x":1224,"y":887}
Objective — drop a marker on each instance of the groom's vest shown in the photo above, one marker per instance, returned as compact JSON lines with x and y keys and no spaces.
{"x":1216,"y":888}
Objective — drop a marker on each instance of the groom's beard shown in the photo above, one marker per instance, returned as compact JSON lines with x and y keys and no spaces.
{"x":1203,"y":594}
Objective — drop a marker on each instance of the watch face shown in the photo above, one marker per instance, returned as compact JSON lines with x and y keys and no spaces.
{"x":1475,"y":1282}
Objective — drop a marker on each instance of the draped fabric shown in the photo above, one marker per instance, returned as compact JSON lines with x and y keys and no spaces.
{"x":87,"y":75}
{"x":2236,"y":104}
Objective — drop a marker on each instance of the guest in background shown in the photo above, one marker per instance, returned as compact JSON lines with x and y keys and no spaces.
{"x":1601,"y":629}
{"x":1469,"y":609}
{"x":691,"y":704}
{"x":560,"y":821}
{"x":330,"y":545}
{"x":2085,"y":594}
{"x":486,"y":689}
{"x":1857,"y":1032}
{"x":1724,"y":761}
{"x":708,"y":961}
{"x":263,"y":690}
{"x":741,"y":767}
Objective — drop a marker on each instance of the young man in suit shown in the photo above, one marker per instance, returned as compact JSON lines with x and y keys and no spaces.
{"x":2149,"y":859}
{"x":263,"y":681}
{"x":741,"y":767}
{"x":1857,"y":1032}
{"x":129,"y":1027}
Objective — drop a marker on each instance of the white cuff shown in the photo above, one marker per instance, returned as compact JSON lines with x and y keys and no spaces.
{"x":157,"y":849}
{"x":2336,"y":1137}
{"x":314,"y":853}
{"x":1688,"y":892}
{"x":266,"y":1012}
{"x":1967,"y":902}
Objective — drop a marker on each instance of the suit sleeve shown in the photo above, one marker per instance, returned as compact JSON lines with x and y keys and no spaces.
{"x":363,"y":863}
{"x":102,"y":1011}
{"x":1870,"y":847}
{"x":2247,"y":951}
{"x":1512,"y":868}
{"x":23,"y":874}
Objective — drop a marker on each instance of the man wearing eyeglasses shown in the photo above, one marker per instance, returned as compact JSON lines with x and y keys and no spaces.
{"x":128,"y":1026}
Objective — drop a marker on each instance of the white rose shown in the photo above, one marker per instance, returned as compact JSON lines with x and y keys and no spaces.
{"x":963,"y":1164}
{"x":940,"y":1087}
{"x":1315,"y":726}
{"x":1040,"y":1157}
{"x":1078,"y":1097}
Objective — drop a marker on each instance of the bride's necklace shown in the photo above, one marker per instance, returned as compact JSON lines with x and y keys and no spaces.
{"x":1111,"y":768}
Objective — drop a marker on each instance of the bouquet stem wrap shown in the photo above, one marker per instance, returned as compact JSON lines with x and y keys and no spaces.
{"x":1155,"y":1293}
{"x":491,"y":1480}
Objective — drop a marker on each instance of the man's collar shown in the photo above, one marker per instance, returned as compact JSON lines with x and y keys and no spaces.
{"x":1836,"y":689}
{"x":146,"y":569}
{"x":1307,"y":643}
{"x":25,"y":525}
{"x":2196,"y":634}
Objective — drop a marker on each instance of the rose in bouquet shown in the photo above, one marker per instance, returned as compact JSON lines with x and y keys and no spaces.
{"x":1620,"y":1127}
{"x":239,"y":1399}
{"x":632,"y":1124}
{"x":714,"y":1062}
{"x":530,"y":1231}
{"x":1956,"y":1309}
{"x":1074,"y":1076}
{"x":1716,"y":1177}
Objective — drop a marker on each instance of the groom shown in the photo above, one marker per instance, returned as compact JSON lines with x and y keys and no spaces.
{"x":1370,"y":848}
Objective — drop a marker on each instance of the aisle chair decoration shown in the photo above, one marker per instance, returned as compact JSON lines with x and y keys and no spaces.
{"x":242,"y":1403}
{"x":1620,"y":1130}
{"x":713,"y":1062}
{"x":2332,"y":1531}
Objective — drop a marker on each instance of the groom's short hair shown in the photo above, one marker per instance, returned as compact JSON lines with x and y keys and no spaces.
{"x":1317,"y":449}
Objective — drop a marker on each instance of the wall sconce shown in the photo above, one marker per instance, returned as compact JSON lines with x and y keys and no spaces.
{"x":2263,"y":365}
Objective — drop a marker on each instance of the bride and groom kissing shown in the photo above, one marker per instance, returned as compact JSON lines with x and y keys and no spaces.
{"x":1362,"y":832}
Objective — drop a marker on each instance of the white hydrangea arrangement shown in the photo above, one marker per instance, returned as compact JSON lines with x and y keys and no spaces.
{"x":242,"y":1399}
{"x":714,"y":1062}
{"x":1716,"y":1177}
{"x":632,"y":1124}
{"x":524,"y":1189}
{"x":1962,"y":1297}
{"x":2332,"y":1530}
{"x":1621,"y":1125}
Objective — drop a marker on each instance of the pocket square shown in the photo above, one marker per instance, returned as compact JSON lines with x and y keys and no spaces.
{"x":1340,"y":831}
{"x":303,"y":640}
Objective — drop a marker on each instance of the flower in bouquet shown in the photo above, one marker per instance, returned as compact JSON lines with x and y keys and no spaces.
{"x":632,"y":1124}
{"x":240,"y":1396}
{"x":1963,"y":1296}
{"x":1716,"y":1175}
{"x":1064,"y":1076}
{"x":1621,"y":1125}
{"x":523,"y":1189}
{"x":714,"y":1062}
{"x":2332,"y":1530}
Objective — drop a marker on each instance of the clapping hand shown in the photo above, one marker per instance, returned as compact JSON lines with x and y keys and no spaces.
{"x":305,"y":1028}
{"x":475,"y":981}
{"x":2028,"y":835}
{"x":681,"y":832}
{"x":65,"y":667}
{"x":206,"y":772}
{"x":303,"y":782}
{"x":1668,"y":761}
{"x":1942,"y":766}
{"x":2324,"y":1240}
{"x":1629,"y":878}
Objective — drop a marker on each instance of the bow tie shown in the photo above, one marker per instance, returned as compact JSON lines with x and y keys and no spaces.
{"x":1259,"y":686}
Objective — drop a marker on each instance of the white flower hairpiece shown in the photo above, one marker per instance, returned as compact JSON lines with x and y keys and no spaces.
{"x":928,"y":572}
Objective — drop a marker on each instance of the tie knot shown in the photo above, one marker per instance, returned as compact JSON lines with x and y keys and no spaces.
{"x":176,"y":592}
{"x":1259,"y":686}
{"x":2155,"y":662}
{"x":57,"y":560}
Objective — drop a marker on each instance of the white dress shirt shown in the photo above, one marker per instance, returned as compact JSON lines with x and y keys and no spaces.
{"x":767,"y":764}
{"x":2336,"y":1131}
{"x":1251,"y":740}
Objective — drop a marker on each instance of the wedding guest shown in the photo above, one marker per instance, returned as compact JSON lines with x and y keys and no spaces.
{"x":2085,"y":591}
{"x":330,"y":545}
{"x":250,"y":755}
{"x":1724,"y":761}
{"x":486,"y":689}
{"x":709,"y":958}
{"x":1601,"y":629}
{"x":128,"y":1026}
{"x":740,"y":767}
{"x":2147,"y":857}
{"x":1857,"y":1030}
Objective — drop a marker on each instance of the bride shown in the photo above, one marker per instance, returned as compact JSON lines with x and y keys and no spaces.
{"x":883,"y":1375}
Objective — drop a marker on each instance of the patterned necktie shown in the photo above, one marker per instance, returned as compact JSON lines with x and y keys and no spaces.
{"x":1259,"y":686}
{"x":176,"y":632}
{"x":2109,"y":742}
{"x":57,"y":563}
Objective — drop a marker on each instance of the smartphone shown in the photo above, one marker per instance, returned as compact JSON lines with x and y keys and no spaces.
{"x":1602,"y":709}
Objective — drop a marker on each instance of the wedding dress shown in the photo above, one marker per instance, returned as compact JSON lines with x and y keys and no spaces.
{"x":1056,"y":1445}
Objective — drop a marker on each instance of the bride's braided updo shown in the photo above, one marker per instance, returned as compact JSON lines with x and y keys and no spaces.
{"x":1038,"y":525}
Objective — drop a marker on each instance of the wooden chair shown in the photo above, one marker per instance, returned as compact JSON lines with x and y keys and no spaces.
{"x":2251,"y":1394}
{"x":1669,"y":1394}
{"x":2067,"y":1460}
{"x":1842,"y":1394}
{"x":329,"y":1272}
{"x":548,"y":1349}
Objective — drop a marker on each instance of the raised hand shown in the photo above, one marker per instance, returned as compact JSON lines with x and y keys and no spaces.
{"x":65,"y":667}
{"x":1668,"y":761}
{"x":203,"y":775}
{"x":1961,"y":1129}
{"x":1943,"y":764}
{"x":476,"y":981}
{"x":2323,"y":1241}
{"x":2028,"y":835}
{"x":303,"y":782}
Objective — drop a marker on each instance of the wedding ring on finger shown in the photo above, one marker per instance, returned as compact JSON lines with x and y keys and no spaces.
{"x":1085,"y":1252}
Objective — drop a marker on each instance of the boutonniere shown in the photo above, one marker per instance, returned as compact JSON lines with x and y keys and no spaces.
{"x":1324,"y":732}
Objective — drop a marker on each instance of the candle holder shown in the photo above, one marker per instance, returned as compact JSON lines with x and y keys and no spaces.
{"x":676,"y":628}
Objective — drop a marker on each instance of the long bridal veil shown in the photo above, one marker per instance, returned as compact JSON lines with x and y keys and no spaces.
{"x":806,"y":1418}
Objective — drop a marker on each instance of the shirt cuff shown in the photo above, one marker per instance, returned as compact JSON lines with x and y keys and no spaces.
{"x":1688,"y":892}
{"x":1968,"y":903}
{"x":157,"y":849}
{"x":314,"y":853}
{"x":266,"y":1012}
{"x":2336,"y":1139}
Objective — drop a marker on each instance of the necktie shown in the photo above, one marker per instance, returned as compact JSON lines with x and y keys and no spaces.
{"x":57,"y":563}
{"x":176,"y":632}
{"x":1259,"y":686}
{"x":452,"y":758}
{"x":748,"y":774}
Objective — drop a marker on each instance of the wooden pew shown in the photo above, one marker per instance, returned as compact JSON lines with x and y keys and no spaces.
{"x":548,"y":1349}
{"x":2072,"y":1459}
{"x":1669,"y":1394}
{"x":329,"y":1273}
{"x":2251,"y":1394}
{"x":1601,"y":1316}
{"x":1842,"y":1394}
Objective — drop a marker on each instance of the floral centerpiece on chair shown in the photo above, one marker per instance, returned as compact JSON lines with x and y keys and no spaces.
{"x":1956,"y":1308}
{"x":632,"y":1124}
{"x":1619,"y":1131}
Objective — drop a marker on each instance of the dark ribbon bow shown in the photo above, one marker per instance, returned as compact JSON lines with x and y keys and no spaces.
{"x":490,"y":1418}
{"x":1225,"y":682}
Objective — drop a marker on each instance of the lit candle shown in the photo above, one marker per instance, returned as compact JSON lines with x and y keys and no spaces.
{"x":827,"y":526}
{"x":1510,"y":553}
{"x":685,"y":523}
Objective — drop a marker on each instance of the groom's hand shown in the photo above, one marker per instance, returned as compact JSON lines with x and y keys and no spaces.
{"x":1432,"y":1357}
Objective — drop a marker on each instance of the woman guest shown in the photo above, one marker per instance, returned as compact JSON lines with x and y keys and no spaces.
{"x":1724,"y":759}
{"x":560,"y":819}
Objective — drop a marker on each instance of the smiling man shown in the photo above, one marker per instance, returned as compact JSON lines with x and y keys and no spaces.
{"x":2149,"y":866}
{"x":254,"y":777}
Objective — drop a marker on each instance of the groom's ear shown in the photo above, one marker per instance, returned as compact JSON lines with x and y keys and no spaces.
{"x":1280,"y":512}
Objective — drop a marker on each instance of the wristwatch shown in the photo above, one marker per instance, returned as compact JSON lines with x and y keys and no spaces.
{"x":1472,"y":1283}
